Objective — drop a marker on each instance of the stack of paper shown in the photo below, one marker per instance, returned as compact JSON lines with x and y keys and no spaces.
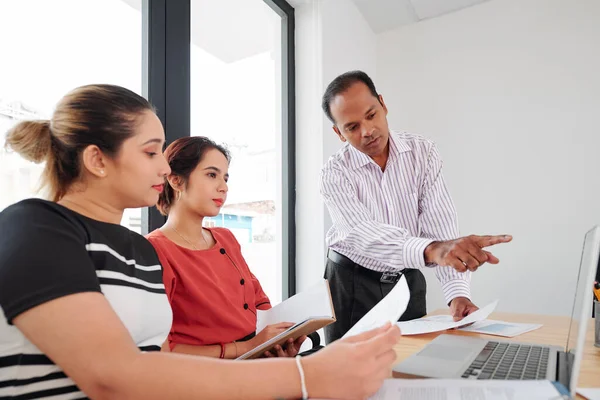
{"x":464,"y":389}
{"x":438,"y":323}
{"x":500,"y":328}
{"x":589,"y":393}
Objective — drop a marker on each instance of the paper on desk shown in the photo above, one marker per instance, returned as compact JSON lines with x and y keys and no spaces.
{"x":438,"y":323}
{"x":390,"y":308}
{"x":464,"y":389}
{"x":590,"y":394}
{"x":311,"y":303}
{"x":500,"y":328}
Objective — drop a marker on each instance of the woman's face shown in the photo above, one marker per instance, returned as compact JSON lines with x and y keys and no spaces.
{"x":206,"y":189}
{"x":137,"y":173}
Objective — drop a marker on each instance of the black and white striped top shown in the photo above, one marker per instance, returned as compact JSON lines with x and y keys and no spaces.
{"x":48,"y":251}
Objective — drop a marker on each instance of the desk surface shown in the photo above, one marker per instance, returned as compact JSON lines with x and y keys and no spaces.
{"x":554,"y":332}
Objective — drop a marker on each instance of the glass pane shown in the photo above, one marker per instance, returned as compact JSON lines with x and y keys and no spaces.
{"x":92,"y":41}
{"x":236,"y":100}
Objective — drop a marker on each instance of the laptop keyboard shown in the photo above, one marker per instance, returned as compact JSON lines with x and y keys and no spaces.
{"x":509,"y":361}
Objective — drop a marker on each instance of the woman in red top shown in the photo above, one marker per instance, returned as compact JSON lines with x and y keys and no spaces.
{"x":212,"y":292}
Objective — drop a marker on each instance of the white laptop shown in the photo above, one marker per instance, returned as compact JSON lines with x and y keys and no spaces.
{"x":451,"y":356}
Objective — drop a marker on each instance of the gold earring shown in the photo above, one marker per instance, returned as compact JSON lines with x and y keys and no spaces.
{"x":178,"y":195}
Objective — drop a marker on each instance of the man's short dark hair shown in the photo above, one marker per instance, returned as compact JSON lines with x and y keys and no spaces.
{"x":342,"y":83}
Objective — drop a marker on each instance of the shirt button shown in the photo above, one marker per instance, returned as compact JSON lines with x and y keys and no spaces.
{"x":242,"y":282}
{"x":245,"y":306}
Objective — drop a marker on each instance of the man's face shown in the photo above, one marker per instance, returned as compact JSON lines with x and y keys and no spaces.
{"x":360,"y":119}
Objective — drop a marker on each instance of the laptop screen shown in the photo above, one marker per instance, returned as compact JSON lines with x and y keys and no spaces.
{"x":582,"y":307}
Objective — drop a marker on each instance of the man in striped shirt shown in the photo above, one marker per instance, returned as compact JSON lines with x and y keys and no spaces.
{"x":392,"y":212}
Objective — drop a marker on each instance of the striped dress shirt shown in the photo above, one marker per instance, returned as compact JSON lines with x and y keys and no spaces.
{"x":384,"y":220}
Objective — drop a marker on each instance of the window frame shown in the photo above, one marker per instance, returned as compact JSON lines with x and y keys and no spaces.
{"x":166,"y":75}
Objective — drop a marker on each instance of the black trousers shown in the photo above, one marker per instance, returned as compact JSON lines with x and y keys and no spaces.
{"x":354,"y":291}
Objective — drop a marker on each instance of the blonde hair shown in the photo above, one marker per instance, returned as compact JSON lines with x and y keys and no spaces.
{"x":100,"y":115}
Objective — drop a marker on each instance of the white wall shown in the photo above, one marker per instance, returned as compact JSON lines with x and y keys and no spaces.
{"x":510,"y":92}
{"x":332,"y":37}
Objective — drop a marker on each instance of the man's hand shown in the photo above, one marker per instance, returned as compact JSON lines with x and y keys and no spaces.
{"x":460,"y":307}
{"x":465,"y":253}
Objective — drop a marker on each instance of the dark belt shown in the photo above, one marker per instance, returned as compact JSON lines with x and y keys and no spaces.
{"x":383,"y":277}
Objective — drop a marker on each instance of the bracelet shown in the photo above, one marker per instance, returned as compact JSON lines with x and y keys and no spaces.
{"x":302,"y":380}
{"x":222,"y":350}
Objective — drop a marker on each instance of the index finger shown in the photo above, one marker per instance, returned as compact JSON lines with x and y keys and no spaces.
{"x":490,"y":240}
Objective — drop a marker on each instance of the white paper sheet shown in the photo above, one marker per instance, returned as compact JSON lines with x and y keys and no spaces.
{"x":438,"y":323}
{"x":464,"y":389}
{"x":390,"y":308}
{"x":311,"y":303}
{"x":500,"y":328}
{"x":589,"y":393}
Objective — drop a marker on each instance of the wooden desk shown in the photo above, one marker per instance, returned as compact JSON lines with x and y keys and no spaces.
{"x":554,"y":332}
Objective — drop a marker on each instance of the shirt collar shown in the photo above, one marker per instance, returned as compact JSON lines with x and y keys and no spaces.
{"x":397,"y":146}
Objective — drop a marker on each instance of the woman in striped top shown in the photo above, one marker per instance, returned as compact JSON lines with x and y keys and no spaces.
{"x":82,"y":303}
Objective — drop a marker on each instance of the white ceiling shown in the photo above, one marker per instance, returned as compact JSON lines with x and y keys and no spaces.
{"x":383,"y":15}
{"x":215,"y":28}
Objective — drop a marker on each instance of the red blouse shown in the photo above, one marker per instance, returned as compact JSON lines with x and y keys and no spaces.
{"x":212,"y":292}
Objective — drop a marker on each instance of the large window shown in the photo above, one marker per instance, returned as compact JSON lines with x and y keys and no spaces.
{"x":236,"y":99}
{"x":49,"y":48}
{"x":222,"y":69}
